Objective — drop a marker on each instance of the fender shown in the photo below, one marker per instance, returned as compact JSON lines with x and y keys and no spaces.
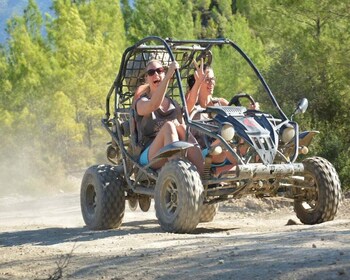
{"x":171,"y":149}
{"x":306,"y":137}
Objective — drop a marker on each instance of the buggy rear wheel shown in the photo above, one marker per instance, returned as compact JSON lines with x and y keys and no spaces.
{"x":320,"y":200}
{"x":145,"y":202}
{"x":208,"y":212}
{"x":132,"y":201}
{"x":102,"y":198}
{"x":178,"y":196}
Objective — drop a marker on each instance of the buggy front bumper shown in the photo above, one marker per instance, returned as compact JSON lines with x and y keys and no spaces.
{"x":260,"y":171}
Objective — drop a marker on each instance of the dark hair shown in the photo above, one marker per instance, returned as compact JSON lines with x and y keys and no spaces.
{"x":191,"y":80}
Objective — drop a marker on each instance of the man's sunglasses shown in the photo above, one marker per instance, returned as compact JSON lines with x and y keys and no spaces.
{"x":151,"y":72}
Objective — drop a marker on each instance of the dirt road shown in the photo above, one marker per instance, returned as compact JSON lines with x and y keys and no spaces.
{"x":45,"y":238}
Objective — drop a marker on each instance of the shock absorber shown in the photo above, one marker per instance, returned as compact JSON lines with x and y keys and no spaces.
{"x":207,"y":166}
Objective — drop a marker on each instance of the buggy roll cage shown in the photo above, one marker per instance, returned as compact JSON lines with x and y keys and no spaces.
{"x":131,"y":73}
{"x":169,"y":45}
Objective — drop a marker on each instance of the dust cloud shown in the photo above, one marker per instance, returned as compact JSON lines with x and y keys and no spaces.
{"x":26,"y":172}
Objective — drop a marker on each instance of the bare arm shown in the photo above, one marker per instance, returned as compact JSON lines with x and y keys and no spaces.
{"x":147,"y":106}
{"x":192,"y":95}
{"x":140,"y":90}
{"x":223,"y":101}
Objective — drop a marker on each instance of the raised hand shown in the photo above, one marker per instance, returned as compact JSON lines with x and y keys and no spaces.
{"x":199,"y":74}
{"x":173,"y":66}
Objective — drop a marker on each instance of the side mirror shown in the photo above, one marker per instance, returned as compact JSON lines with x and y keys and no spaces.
{"x":301,"y":107}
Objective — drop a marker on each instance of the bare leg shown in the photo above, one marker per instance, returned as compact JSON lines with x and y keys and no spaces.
{"x":220,"y":158}
{"x":193,"y":154}
{"x":165,"y":136}
{"x":227,"y":167}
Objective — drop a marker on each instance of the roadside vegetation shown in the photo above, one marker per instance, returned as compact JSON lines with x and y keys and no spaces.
{"x":56,"y":70}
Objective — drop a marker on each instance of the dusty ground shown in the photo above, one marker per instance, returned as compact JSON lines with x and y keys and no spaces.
{"x":45,"y":238}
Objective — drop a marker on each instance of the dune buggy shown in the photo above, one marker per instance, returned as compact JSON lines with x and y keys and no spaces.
{"x":182,"y":197}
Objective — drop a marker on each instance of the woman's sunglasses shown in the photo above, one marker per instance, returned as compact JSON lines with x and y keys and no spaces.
{"x":151,"y":72}
{"x":210,"y":80}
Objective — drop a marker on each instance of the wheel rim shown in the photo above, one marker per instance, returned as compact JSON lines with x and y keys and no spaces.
{"x":90,"y":199}
{"x":170,"y":196}
{"x":310,"y":203}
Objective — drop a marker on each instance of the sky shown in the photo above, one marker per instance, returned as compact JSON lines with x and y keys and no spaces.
{"x":10,"y":8}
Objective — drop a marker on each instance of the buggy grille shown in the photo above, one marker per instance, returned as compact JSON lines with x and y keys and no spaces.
{"x":265,"y":148}
{"x":227,"y":110}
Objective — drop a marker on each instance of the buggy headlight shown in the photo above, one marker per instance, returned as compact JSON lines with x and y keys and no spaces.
{"x":227,"y":132}
{"x":288,"y":133}
{"x":214,"y":151}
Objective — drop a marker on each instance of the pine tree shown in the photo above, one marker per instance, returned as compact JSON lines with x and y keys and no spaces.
{"x":167,"y":19}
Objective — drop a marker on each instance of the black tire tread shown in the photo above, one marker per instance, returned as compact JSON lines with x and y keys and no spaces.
{"x":329,"y":192}
{"x":208,"y":212}
{"x":190,"y":196}
{"x":110,"y":208}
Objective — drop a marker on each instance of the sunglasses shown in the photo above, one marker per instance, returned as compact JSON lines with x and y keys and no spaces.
{"x":210,"y":80}
{"x":151,"y":72}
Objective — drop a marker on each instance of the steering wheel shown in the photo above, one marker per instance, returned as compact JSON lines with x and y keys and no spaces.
{"x":236,"y":100}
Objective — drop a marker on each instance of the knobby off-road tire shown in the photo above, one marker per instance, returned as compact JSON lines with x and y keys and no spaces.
{"x":178,"y":197}
{"x":102,"y":197}
{"x":145,"y":203}
{"x":208,"y":212}
{"x":133,"y":202}
{"x":319,"y":173}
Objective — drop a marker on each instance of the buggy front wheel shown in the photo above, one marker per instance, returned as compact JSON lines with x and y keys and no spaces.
{"x":102,"y":197}
{"x":178,"y":196}
{"x":318,"y":202}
